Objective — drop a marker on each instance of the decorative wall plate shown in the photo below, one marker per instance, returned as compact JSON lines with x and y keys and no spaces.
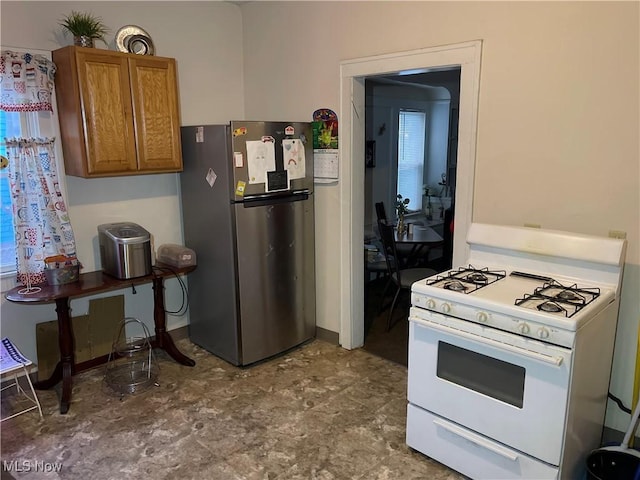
{"x":140,"y":44}
{"x":124,"y":37}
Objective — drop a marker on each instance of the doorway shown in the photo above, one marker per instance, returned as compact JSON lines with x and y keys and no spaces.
{"x":411,"y":126}
{"x":426,"y":172}
{"x":352,"y":166}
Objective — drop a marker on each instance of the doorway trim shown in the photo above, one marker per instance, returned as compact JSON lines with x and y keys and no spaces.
{"x":352,"y":104}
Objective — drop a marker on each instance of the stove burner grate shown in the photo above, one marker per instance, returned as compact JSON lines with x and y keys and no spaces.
{"x":455,"y":285}
{"x":553,"y":297}
{"x":570,"y":296}
{"x":551,"y":307}
{"x":467,"y":279}
{"x":477,"y":277}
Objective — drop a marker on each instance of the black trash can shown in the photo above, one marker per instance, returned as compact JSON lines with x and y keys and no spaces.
{"x":613,"y":463}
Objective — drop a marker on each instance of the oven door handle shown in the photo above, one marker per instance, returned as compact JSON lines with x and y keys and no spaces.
{"x":541,"y":357}
{"x":475,"y":439}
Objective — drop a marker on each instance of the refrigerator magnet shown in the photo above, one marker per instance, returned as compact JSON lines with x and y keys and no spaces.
{"x":240,"y":186}
{"x":211,"y":177}
{"x":238,"y":160}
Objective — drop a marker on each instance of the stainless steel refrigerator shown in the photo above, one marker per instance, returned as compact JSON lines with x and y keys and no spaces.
{"x":248,"y":213}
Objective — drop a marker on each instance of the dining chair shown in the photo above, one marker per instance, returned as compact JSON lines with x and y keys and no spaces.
{"x":401,"y":277}
{"x":405,"y":251}
{"x":380,"y":211}
{"x":374,"y":261}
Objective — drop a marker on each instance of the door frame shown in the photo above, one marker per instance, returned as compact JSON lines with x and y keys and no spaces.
{"x":353,"y":73}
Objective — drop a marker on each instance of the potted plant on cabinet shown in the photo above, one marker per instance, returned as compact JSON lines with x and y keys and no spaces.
{"x":85,"y":28}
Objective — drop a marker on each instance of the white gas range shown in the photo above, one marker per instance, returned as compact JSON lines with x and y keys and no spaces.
{"x":510,"y":355}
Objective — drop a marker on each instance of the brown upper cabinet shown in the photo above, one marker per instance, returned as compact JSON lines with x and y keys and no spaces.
{"x":119,"y":112}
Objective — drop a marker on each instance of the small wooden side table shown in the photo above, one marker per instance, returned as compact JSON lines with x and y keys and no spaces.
{"x":92,"y":283}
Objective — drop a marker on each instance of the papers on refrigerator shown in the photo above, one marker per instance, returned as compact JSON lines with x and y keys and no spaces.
{"x":261,"y":158}
{"x":293,"y":158}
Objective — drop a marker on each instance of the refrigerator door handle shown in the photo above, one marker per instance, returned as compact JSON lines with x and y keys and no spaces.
{"x":262,"y":196}
{"x":269,"y":199}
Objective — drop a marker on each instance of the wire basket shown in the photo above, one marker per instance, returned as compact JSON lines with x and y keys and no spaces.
{"x":131,"y":367}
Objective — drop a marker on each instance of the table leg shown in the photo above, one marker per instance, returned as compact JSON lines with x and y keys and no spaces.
{"x":65,"y":368}
{"x":52,"y":381}
{"x":163,"y":340}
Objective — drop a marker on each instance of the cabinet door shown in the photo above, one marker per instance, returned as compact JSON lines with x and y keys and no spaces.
{"x":156,"y":116}
{"x":108,"y":117}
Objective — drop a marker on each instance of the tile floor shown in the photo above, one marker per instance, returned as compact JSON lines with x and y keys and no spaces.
{"x":318,"y":412}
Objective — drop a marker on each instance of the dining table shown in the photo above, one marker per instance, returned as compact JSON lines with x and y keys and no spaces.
{"x":420,"y":239}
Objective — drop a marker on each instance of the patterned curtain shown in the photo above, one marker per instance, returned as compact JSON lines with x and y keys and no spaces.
{"x":40,"y":215}
{"x":26,"y":82}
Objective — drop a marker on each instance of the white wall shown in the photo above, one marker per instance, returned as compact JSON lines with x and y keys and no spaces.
{"x":205,"y":38}
{"x":552,"y":105}
{"x":558,"y":116}
{"x":437,"y":143}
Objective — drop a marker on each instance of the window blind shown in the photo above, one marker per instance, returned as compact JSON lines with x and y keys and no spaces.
{"x":411,"y":143}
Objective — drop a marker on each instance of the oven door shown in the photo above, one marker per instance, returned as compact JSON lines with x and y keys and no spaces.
{"x":510,"y":388}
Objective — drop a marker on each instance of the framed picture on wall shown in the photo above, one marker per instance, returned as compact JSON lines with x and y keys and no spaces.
{"x":370,"y":154}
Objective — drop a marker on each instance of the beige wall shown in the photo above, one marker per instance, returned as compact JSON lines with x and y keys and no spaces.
{"x":206,"y":40}
{"x":558,"y":115}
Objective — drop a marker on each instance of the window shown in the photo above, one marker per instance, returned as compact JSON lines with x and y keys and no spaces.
{"x":9,"y":127}
{"x":411,"y":143}
{"x":17,"y":124}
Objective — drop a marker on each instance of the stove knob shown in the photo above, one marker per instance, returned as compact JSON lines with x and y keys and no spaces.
{"x":543,"y":333}
{"x":523,"y":328}
{"x":482,"y":317}
{"x":431,"y":304}
{"x":446,"y":308}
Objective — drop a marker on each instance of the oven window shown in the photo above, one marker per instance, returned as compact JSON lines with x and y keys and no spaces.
{"x":489,"y":376}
